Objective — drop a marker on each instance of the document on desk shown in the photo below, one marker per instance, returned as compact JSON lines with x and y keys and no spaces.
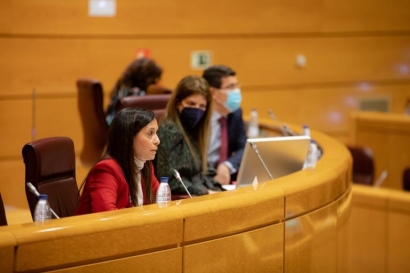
{"x":229,"y":187}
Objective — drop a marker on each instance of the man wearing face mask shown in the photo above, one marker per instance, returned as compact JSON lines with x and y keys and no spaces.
{"x":228,"y":135}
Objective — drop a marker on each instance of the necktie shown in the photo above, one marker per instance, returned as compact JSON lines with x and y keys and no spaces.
{"x":223,"y":151}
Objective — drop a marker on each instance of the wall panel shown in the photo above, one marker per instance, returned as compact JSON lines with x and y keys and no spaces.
{"x":354,"y":49}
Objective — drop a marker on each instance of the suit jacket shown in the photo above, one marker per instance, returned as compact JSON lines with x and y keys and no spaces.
{"x":236,"y":138}
{"x":106,"y":188}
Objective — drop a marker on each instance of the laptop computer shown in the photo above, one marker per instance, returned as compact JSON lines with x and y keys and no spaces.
{"x":266,"y":159}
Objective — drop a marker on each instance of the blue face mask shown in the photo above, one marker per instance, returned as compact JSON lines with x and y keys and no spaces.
{"x":191,"y":116}
{"x":233,"y":101}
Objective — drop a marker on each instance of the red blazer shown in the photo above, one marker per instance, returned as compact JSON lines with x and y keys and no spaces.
{"x":107,"y":189}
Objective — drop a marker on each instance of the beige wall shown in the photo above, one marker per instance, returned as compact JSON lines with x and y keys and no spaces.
{"x":354,"y":50}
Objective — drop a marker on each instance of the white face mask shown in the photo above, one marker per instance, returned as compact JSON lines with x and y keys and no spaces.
{"x":233,"y":100}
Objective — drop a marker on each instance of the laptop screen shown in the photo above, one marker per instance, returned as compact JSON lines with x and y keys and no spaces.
{"x":270,"y":158}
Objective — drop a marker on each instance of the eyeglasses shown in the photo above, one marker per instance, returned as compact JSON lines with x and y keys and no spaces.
{"x":230,"y":87}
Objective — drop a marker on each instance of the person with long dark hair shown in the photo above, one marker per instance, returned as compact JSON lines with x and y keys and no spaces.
{"x":124,"y":177}
{"x":184,"y":137}
{"x":134,"y":81}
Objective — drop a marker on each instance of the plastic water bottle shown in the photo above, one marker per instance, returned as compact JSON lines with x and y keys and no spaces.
{"x":42,"y":211}
{"x":163,"y":193}
{"x":253,"y":125}
{"x":313,"y":155}
{"x":305,"y":130}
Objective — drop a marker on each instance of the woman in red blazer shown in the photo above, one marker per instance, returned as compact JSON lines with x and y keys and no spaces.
{"x":124,"y":177}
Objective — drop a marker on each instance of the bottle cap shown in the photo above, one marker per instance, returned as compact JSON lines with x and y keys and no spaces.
{"x":43,"y":196}
{"x":164,"y":179}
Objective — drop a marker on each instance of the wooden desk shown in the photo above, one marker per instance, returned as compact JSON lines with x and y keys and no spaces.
{"x":292,"y":224}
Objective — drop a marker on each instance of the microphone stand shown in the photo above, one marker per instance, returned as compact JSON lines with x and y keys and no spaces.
{"x":178,"y":177}
{"x":36,"y":193}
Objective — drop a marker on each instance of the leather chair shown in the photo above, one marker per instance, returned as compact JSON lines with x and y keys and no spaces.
{"x":90,"y":105}
{"x":363,"y":165}
{"x":50,"y":168}
{"x":406,"y":179}
{"x":156,"y":103}
{"x":3,"y":218}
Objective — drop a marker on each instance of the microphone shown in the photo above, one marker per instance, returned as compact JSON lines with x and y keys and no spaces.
{"x":284,"y":128}
{"x":272,"y":115}
{"x":178,"y":177}
{"x":381,"y":179}
{"x":36,"y":193}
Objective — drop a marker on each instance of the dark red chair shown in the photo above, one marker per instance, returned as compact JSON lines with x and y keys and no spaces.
{"x":156,"y":103}
{"x":90,"y":105}
{"x":363,"y":165}
{"x":3,"y":218}
{"x":50,"y":168}
{"x":406,"y":179}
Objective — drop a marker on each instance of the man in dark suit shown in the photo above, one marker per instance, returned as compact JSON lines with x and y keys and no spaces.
{"x":225,"y":152}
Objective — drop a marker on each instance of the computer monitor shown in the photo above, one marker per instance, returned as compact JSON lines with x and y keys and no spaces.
{"x":270,"y":158}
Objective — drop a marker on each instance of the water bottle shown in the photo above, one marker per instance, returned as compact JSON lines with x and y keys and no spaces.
{"x":253,"y":125}
{"x":305,"y":130}
{"x":313,"y":155}
{"x":42,"y":211}
{"x":163,"y":193}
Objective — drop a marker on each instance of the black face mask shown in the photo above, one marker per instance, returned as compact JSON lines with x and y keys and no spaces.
{"x":191,"y":116}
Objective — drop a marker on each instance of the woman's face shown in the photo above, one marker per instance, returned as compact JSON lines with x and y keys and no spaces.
{"x":193,"y":101}
{"x":146,"y":142}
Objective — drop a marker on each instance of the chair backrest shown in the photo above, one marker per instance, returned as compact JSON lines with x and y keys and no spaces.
{"x":50,"y":167}
{"x":156,"y":103}
{"x":90,"y":105}
{"x":3,"y":218}
{"x":363,"y":165}
{"x":406,"y":179}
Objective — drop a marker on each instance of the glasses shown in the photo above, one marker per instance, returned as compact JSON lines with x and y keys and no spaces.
{"x":230,"y":87}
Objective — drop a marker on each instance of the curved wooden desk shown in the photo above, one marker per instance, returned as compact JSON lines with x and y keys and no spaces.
{"x":294,"y":222}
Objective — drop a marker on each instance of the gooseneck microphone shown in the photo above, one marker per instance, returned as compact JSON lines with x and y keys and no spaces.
{"x":284,"y":128}
{"x":36,"y":193}
{"x":178,"y":177}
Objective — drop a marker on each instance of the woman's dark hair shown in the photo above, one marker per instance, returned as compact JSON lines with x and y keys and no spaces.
{"x":140,"y":73}
{"x":126,"y":124}
{"x":192,"y":85}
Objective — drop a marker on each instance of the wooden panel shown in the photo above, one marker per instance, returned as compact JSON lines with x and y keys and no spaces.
{"x":15,"y":126}
{"x":187,"y":17}
{"x":101,"y":244}
{"x":7,"y":245}
{"x":169,"y":261}
{"x":259,"y":250}
{"x":59,"y":117}
{"x":379,"y":229}
{"x":12,"y":183}
{"x":398,"y":248}
{"x":310,"y":241}
{"x":39,"y":63}
{"x":367,"y":15}
{"x":270,"y":64}
{"x":226,"y":220}
{"x":367,"y":240}
{"x":388,"y":135}
{"x":343,"y":216}
{"x":324,"y":109}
